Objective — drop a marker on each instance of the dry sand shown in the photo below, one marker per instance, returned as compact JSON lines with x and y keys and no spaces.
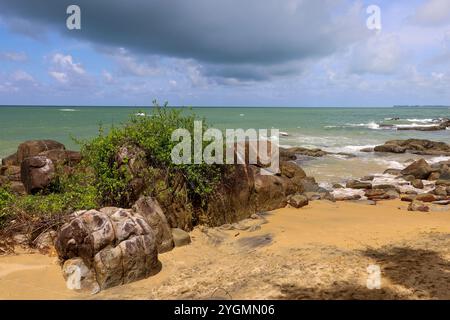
{"x":318,"y":252}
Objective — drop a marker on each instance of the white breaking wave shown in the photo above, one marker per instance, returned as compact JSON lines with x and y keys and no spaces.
{"x":414,"y":125}
{"x":438,"y":159}
{"x":391,"y":164}
{"x":349,"y":149}
{"x":370,"y":125}
{"x":423,"y":120}
{"x":68,"y":110}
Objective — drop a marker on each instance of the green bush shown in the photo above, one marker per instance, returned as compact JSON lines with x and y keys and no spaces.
{"x":6,"y":199}
{"x":152,"y":134}
{"x":70,"y":192}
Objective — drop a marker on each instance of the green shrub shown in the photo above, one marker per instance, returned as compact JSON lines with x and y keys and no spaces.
{"x":6,"y":199}
{"x":152,"y":134}
{"x":70,"y":192}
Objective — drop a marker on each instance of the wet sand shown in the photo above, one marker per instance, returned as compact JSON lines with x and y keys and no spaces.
{"x":318,"y":252}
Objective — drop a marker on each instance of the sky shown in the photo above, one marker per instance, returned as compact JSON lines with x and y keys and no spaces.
{"x":225,"y":53}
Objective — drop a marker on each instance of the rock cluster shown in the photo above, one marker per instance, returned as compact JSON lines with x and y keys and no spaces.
{"x":32,"y":168}
{"x":103,"y":248}
{"x":415,"y":146}
{"x":419,"y":175}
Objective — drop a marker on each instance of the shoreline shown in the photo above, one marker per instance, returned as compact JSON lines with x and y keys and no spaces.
{"x":295,"y":249}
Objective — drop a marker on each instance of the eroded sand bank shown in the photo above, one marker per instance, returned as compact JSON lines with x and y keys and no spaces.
{"x":320,"y":251}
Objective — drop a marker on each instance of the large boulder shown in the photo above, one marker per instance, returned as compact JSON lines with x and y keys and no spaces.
{"x":117,"y":246}
{"x":270,"y":192}
{"x":420,"y":169}
{"x":291,"y":170}
{"x":234,"y":199}
{"x":37,"y":173}
{"x":33,"y":148}
{"x":151,"y":211}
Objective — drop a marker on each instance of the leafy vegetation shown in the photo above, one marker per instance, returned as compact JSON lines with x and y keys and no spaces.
{"x":152,"y":134}
{"x":101,"y":179}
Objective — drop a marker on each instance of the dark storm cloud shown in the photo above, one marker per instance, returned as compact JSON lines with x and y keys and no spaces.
{"x":218,"y":33}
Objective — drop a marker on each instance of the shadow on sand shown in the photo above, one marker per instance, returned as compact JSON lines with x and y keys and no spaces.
{"x":423,"y":273}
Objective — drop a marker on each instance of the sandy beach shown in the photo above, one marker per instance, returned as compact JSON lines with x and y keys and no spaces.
{"x":321,"y":251}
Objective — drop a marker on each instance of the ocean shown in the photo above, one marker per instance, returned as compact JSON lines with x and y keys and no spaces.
{"x":332,"y":129}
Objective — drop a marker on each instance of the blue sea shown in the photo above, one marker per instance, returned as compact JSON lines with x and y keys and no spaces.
{"x":332,"y":129}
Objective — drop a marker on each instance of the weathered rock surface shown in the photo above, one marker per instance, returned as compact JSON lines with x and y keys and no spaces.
{"x":425,"y":197}
{"x":37,"y":173}
{"x":153,"y":214}
{"x":32,"y":148}
{"x":118,"y":246}
{"x":298,"y":201}
{"x":34,"y":164}
{"x":420,"y":169}
{"x":417,"y":183}
{"x":180,"y":237}
{"x":355,"y":184}
{"x":418,"y":206}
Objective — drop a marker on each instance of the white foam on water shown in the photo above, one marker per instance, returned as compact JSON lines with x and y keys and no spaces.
{"x":391,"y":164}
{"x":140,"y":114}
{"x":438,"y":159}
{"x":370,"y":125}
{"x":423,"y":120}
{"x":347,"y":192}
{"x":68,"y":110}
{"x":349,"y":149}
{"x":414,"y":125}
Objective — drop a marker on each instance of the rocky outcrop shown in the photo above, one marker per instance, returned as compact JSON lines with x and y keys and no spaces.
{"x":293,"y":153}
{"x":415,"y":146}
{"x":420,"y":169}
{"x":107,"y":248}
{"x":33,"y":148}
{"x":34,"y":165}
{"x":37,"y":173}
{"x":150,"y":209}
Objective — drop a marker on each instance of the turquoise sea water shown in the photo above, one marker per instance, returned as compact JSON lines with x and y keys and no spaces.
{"x":333,"y":129}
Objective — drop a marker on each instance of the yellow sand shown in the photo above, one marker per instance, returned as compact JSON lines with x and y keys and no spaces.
{"x":219,"y":263}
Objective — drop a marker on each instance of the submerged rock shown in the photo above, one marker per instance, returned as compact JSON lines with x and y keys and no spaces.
{"x":416,"y":146}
